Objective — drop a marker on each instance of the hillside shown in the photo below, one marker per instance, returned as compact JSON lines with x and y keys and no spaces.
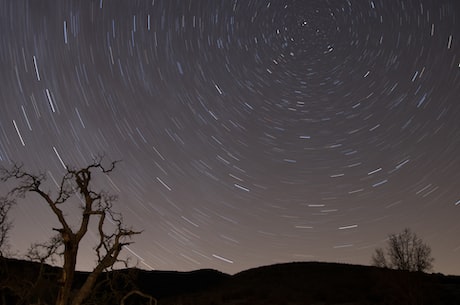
{"x":290,"y":284}
{"x":328,"y":283}
{"x":24,"y":282}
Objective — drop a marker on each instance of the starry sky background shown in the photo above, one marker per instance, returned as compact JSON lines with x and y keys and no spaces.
{"x":251,"y":132}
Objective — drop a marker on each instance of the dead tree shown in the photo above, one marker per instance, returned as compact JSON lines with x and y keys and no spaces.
{"x":5,"y":224}
{"x":96,"y":205}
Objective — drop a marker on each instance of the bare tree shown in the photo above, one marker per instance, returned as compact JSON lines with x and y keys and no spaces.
{"x":96,"y":205}
{"x":405,"y":251}
{"x":379,"y":259}
{"x":5,"y":224}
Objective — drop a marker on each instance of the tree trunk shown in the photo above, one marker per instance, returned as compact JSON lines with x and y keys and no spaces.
{"x":85,"y":290}
{"x":67,"y":274}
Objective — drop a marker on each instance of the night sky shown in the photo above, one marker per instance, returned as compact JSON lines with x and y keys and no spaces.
{"x":251,"y":132}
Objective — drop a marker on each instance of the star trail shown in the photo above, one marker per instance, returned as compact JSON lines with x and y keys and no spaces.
{"x":250,"y":132}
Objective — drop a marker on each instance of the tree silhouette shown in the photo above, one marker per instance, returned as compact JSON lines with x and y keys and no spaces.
{"x":5,"y":224}
{"x":405,"y":251}
{"x":95,"y":205}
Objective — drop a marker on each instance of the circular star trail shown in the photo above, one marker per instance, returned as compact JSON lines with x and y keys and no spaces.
{"x":251,"y":132}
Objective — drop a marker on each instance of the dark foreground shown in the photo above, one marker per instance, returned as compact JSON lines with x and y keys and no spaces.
{"x":24,"y":282}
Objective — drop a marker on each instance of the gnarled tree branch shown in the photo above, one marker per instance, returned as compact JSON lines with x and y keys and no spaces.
{"x":96,"y":204}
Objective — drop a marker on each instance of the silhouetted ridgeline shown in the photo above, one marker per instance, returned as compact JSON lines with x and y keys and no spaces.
{"x":291,"y":283}
{"x":23,"y":282}
{"x":327,"y":283}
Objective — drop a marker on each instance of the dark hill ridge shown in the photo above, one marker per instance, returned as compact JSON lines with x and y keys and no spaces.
{"x":328,"y":283}
{"x":290,"y":284}
{"x":18,"y":282}
{"x":162,"y":284}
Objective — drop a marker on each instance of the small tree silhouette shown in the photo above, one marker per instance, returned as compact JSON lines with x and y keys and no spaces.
{"x":5,"y":224}
{"x":405,"y":251}
{"x":96,"y":205}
